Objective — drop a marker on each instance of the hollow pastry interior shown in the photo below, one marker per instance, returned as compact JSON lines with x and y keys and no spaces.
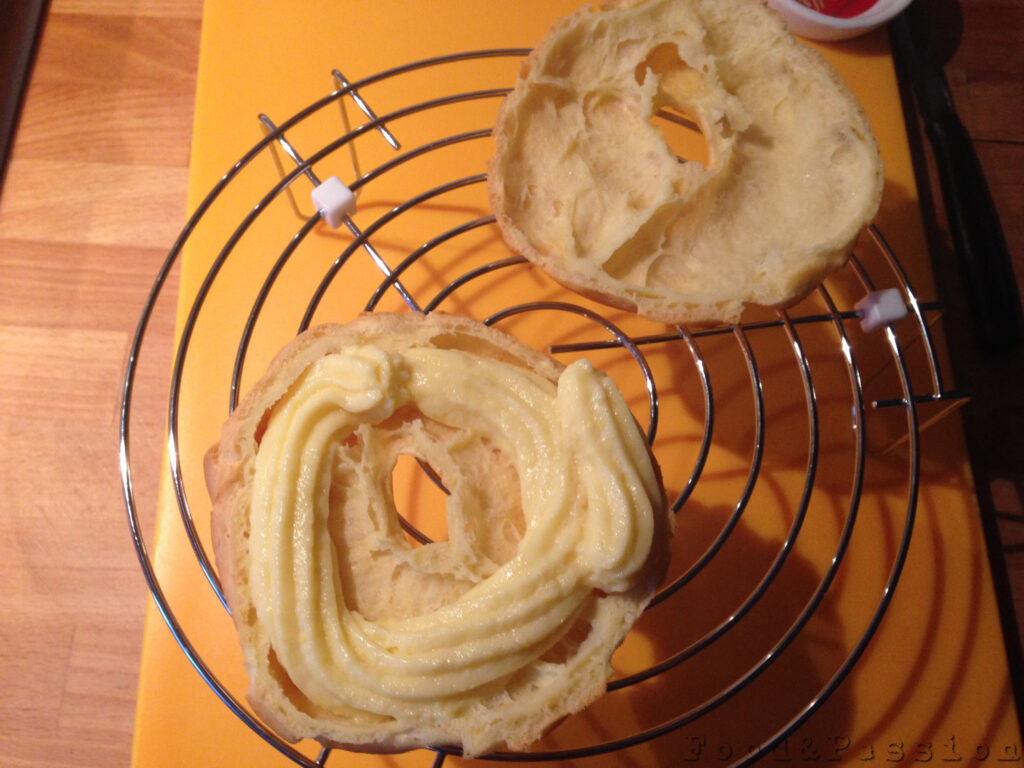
{"x":586,"y":181}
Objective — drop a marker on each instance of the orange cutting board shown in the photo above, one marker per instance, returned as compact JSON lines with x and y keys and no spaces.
{"x":933,"y":683}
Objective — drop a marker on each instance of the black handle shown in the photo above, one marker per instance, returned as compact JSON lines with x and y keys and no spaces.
{"x":990,"y":284}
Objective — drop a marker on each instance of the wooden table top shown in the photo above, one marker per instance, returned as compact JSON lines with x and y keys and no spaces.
{"x":94,"y":195}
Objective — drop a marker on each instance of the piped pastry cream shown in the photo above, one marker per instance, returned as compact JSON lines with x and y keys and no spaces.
{"x":557,"y":535}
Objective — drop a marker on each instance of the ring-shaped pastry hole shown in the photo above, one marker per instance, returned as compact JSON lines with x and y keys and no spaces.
{"x":419,"y":500}
{"x":678,"y":83}
{"x":683,"y":135}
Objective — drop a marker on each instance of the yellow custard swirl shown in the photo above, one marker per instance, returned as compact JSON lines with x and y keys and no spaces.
{"x":588,"y":491}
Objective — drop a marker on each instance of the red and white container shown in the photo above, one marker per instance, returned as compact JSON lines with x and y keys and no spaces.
{"x":836,"y":19}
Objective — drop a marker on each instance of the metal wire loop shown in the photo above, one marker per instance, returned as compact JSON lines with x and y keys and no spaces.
{"x":692,"y":345}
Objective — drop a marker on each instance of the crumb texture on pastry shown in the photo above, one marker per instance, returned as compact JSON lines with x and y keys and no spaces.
{"x":584,"y":184}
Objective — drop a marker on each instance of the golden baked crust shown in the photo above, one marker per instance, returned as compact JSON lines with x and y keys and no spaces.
{"x":560,"y":676}
{"x":585,"y":186}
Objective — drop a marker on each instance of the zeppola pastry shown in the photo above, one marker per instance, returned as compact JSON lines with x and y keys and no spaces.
{"x":557,"y":535}
{"x":584,"y":184}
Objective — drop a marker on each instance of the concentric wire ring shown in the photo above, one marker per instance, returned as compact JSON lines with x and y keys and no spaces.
{"x":683,"y":340}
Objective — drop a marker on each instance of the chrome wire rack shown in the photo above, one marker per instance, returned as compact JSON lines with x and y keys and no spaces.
{"x":770,"y":433}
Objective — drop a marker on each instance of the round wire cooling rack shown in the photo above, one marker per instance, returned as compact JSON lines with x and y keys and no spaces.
{"x":765,"y":430}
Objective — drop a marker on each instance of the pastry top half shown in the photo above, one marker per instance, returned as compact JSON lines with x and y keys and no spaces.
{"x":585,"y":185}
{"x":557,"y":529}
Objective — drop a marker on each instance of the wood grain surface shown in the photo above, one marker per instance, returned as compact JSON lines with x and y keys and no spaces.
{"x":94,"y":196}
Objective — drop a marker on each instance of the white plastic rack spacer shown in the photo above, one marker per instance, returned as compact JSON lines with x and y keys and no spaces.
{"x":880,"y":308}
{"x":334,"y":200}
